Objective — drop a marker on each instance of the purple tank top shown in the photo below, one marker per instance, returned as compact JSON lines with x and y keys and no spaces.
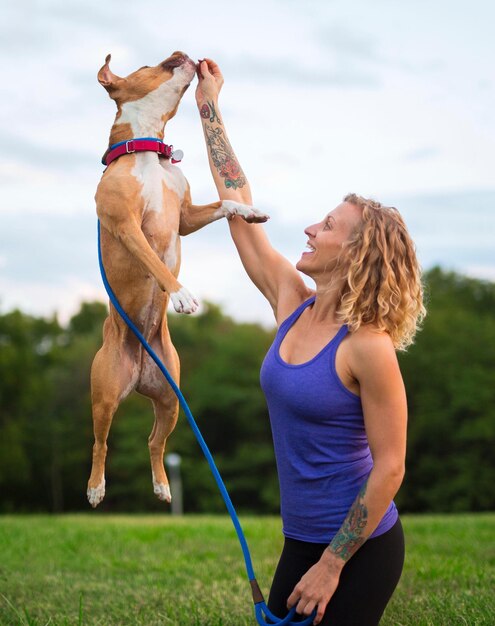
{"x":321,"y":448}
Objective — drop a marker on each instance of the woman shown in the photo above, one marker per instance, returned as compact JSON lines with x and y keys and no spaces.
{"x":334,"y":391}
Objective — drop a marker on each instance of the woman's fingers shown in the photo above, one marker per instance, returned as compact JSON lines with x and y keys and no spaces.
{"x":212,"y":64}
{"x":305,"y":608}
{"x":213,"y":68}
{"x":203,"y":70}
{"x":319,"y":614}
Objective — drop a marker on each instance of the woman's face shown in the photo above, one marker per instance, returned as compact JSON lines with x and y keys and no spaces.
{"x":325,"y":239}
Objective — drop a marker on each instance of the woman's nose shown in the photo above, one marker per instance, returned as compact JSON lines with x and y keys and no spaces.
{"x":310,"y":230}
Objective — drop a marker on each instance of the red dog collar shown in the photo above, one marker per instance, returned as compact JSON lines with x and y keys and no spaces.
{"x":142,"y":145}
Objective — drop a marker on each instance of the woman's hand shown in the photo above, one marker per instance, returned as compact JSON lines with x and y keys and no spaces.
{"x":210,"y":81}
{"x":317,"y":586}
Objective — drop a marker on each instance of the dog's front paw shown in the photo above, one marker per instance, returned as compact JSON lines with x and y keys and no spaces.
{"x":184,"y":301}
{"x":248,"y":213}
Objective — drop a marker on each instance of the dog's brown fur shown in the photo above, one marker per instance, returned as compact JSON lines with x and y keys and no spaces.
{"x":141,"y":255}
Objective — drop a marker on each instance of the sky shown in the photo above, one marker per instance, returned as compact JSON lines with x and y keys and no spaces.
{"x":391,"y":100}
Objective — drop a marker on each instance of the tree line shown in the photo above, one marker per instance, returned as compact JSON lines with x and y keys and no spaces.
{"x":46,"y":427}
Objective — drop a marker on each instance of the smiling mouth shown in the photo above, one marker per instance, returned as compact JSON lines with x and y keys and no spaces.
{"x":309,"y":249}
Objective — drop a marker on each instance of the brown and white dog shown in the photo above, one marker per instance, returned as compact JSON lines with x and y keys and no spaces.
{"x":144,"y":203}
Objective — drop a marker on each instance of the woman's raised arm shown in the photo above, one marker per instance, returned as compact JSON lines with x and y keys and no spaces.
{"x":276,"y":278}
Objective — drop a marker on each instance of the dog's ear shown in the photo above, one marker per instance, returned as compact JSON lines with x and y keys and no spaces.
{"x":106,"y":77}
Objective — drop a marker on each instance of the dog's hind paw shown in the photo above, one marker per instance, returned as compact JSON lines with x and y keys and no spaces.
{"x":230,"y":208}
{"x":96,"y":494}
{"x":184,"y":301}
{"x":162,"y":491}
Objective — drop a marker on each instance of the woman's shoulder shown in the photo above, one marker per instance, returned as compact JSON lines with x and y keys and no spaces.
{"x":371,"y":357}
{"x":368,"y":340}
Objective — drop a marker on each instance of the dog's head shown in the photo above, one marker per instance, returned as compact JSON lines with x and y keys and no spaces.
{"x":149,"y":93}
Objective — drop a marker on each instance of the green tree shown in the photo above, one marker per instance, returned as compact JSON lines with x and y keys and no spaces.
{"x":27,"y":351}
{"x":46,"y":427}
{"x":450,"y":375}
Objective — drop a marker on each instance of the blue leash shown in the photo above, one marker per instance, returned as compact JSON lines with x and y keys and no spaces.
{"x":261,"y":610}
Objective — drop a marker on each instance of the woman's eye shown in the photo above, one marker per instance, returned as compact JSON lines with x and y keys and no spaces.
{"x":327,"y":226}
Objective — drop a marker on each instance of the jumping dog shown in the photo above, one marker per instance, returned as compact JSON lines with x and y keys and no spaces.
{"x":143,"y":202}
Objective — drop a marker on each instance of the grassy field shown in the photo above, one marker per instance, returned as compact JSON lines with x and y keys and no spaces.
{"x":150,"y":570}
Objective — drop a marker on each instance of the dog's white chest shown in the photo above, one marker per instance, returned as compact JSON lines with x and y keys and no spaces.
{"x":163,"y":186}
{"x":174,"y":178}
{"x":152,"y":175}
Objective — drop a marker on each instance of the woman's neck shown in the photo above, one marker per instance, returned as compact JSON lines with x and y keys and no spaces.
{"x":327,"y":301}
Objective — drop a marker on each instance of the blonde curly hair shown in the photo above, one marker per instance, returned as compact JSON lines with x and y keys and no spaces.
{"x":382,"y":275}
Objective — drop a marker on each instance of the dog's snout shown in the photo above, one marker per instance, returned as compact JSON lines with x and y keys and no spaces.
{"x":176,"y":59}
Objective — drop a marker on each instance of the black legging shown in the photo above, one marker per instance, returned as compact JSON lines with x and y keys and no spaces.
{"x":366,"y":584}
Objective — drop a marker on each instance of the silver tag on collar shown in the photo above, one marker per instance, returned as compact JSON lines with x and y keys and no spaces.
{"x":177,"y":155}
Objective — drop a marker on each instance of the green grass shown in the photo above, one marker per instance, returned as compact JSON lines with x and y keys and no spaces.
{"x":150,"y":570}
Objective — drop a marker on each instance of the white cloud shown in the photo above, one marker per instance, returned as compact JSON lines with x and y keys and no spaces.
{"x":46,"y":297}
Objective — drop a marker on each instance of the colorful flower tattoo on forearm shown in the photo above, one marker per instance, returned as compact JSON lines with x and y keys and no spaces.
{"x":350,"y":536}
{"x":223,"y":157}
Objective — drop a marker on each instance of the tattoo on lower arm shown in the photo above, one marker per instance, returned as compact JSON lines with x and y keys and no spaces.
{"x":223,"y":158}
{"x":350,"y":536}
{"x":208,"y":112}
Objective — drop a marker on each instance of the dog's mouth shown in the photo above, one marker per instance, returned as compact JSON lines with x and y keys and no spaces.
{"x":177,"y":59}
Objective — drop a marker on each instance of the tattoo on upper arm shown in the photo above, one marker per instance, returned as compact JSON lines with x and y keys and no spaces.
{"x":350,"y":536}
{"x":223,"y":158}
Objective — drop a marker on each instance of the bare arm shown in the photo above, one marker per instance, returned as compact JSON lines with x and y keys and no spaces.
{"x":274,"y":276}
{"x":374,"y":364}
